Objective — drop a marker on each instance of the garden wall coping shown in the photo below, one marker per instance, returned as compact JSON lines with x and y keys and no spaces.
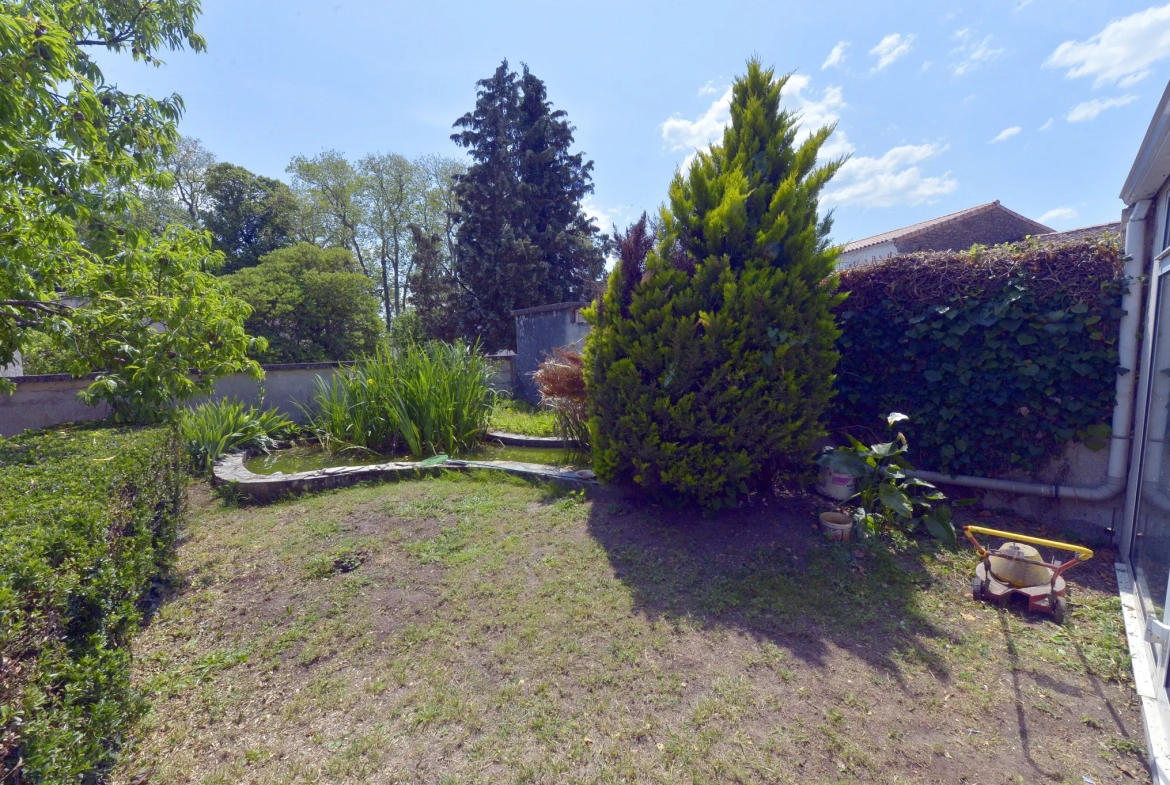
{"x":266,"y":488}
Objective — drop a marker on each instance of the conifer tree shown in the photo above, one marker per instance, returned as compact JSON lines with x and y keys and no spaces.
{"x":712,"y":373}
{"x":432,"y":288}
{"x":523,"y":239}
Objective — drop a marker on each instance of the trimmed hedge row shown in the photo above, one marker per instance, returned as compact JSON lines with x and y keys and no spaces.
{"x":88,"y":520}
{"x":1000,"y":356}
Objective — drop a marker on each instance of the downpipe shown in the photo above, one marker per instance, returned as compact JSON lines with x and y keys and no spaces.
{"x":1127,"y":355}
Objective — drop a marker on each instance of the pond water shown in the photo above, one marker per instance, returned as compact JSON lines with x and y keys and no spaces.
{"x":311,"y":457}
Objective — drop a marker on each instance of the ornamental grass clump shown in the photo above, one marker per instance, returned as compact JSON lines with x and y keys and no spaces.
{"x":426,"y":400}
{"x":710,"y":365}
{"x":561,"y":381}
{"x":215,"y":428}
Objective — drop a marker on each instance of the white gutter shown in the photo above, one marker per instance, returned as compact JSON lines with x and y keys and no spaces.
{"x":1127,"y":351}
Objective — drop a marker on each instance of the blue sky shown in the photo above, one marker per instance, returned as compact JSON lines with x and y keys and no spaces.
{"x":921,"y":91}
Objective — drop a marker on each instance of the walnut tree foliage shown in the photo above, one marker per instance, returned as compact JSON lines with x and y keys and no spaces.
{"x":140,"y":309}
{"x":712,"y":373}
{"x":523,"y":239}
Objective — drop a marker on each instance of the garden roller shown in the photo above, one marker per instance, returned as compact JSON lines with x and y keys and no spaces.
{"x":1016,"y":568}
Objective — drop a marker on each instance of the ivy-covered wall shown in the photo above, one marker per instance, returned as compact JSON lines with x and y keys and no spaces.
{"x":1000,"y":356}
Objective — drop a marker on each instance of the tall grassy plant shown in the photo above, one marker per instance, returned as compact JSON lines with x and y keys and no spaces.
{"x":425,"y":399}
{"x":212,"y":429}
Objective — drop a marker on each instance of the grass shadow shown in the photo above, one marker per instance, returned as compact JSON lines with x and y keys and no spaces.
{"x":769,"y":573}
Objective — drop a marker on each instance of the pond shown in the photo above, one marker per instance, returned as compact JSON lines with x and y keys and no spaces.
{"x":311,"y":457}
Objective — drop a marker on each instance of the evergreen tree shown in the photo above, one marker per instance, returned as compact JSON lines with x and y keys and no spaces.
{"x":432,"y":287}
{"x":712,"y":373}
{"x":523,"y":239}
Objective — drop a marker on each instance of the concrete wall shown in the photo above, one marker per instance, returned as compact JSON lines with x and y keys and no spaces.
{"x":1077,"y":465}
{"x":44,"y":401}
{"x":538,"y":332}
{"x":505,"y":376}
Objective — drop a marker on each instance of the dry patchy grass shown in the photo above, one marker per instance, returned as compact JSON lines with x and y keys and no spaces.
{"x":474,"y":630}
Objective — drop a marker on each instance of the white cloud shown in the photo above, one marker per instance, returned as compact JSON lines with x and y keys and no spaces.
{"x":710,"y":89}
{"x":1006,"y":134}
{"x":893,"y":179}
{"x":1122,"y":53}
{"x":890,"y":49}
{"x":1090,"y":109}
{"x":1046,"y":125}
{"x":837,"y":56}
{"x":974,"y":55}
{"x":682,"y":134}
{"x":1058,"y":215}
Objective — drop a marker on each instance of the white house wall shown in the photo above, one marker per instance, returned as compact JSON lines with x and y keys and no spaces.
{"x":861,"y":255}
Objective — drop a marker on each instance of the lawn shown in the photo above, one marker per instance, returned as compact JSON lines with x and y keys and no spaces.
{"x":512,"y":416}
{"x":477,"y":629}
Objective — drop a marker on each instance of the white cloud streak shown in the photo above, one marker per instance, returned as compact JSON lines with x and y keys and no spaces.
{"x":1058,"y":215}
{"x":1006,"y":134}
{"x":974,"y":55}
{"x":1121,"y":53}
{"x":1046,"y":126}
{"x":893,"y":179}
{"x":1090,"y":109}
{"x":837,"y":56}
{"x":889,"y":49}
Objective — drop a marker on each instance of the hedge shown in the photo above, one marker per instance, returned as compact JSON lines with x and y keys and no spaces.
{"x":88,"y":520}
{"x":1000,"y":356}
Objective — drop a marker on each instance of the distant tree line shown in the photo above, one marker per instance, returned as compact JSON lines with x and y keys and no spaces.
{"x":456,"y":246}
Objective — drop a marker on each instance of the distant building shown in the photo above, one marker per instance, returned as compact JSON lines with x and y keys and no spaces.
{"x":16,"y":368}
{"x":986,"y":224}
{"x":540,"y":330}
{"x":1084,"y":233}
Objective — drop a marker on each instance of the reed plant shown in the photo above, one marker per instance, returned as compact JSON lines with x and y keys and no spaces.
{"x":424,"y":399}
{"x":214,"y":428}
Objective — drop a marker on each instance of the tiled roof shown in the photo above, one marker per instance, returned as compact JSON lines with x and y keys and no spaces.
{"x":906,"y":232}
{"x":1081,"y":234}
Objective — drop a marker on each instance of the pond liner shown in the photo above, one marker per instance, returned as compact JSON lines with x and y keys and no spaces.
{"x":229,"y":471}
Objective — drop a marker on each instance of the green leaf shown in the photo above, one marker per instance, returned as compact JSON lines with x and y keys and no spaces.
{"x":1026,"y":339}
{"x":895,"y":500}
{"x":940,"y":525}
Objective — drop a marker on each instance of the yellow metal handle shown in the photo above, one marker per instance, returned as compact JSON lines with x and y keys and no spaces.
{"x":1083,"y":554}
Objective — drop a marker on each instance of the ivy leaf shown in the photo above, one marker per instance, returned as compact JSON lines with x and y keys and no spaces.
{"x":1026,"y":339}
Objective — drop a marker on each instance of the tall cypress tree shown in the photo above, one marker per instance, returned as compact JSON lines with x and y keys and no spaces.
{"x":432,"y":289}
{"x":523,"y":239}
{"x":712,"y":373}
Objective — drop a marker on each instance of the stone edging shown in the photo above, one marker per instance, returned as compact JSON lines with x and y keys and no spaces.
{"x":521,"y":440}
{"x":266,"y":488}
